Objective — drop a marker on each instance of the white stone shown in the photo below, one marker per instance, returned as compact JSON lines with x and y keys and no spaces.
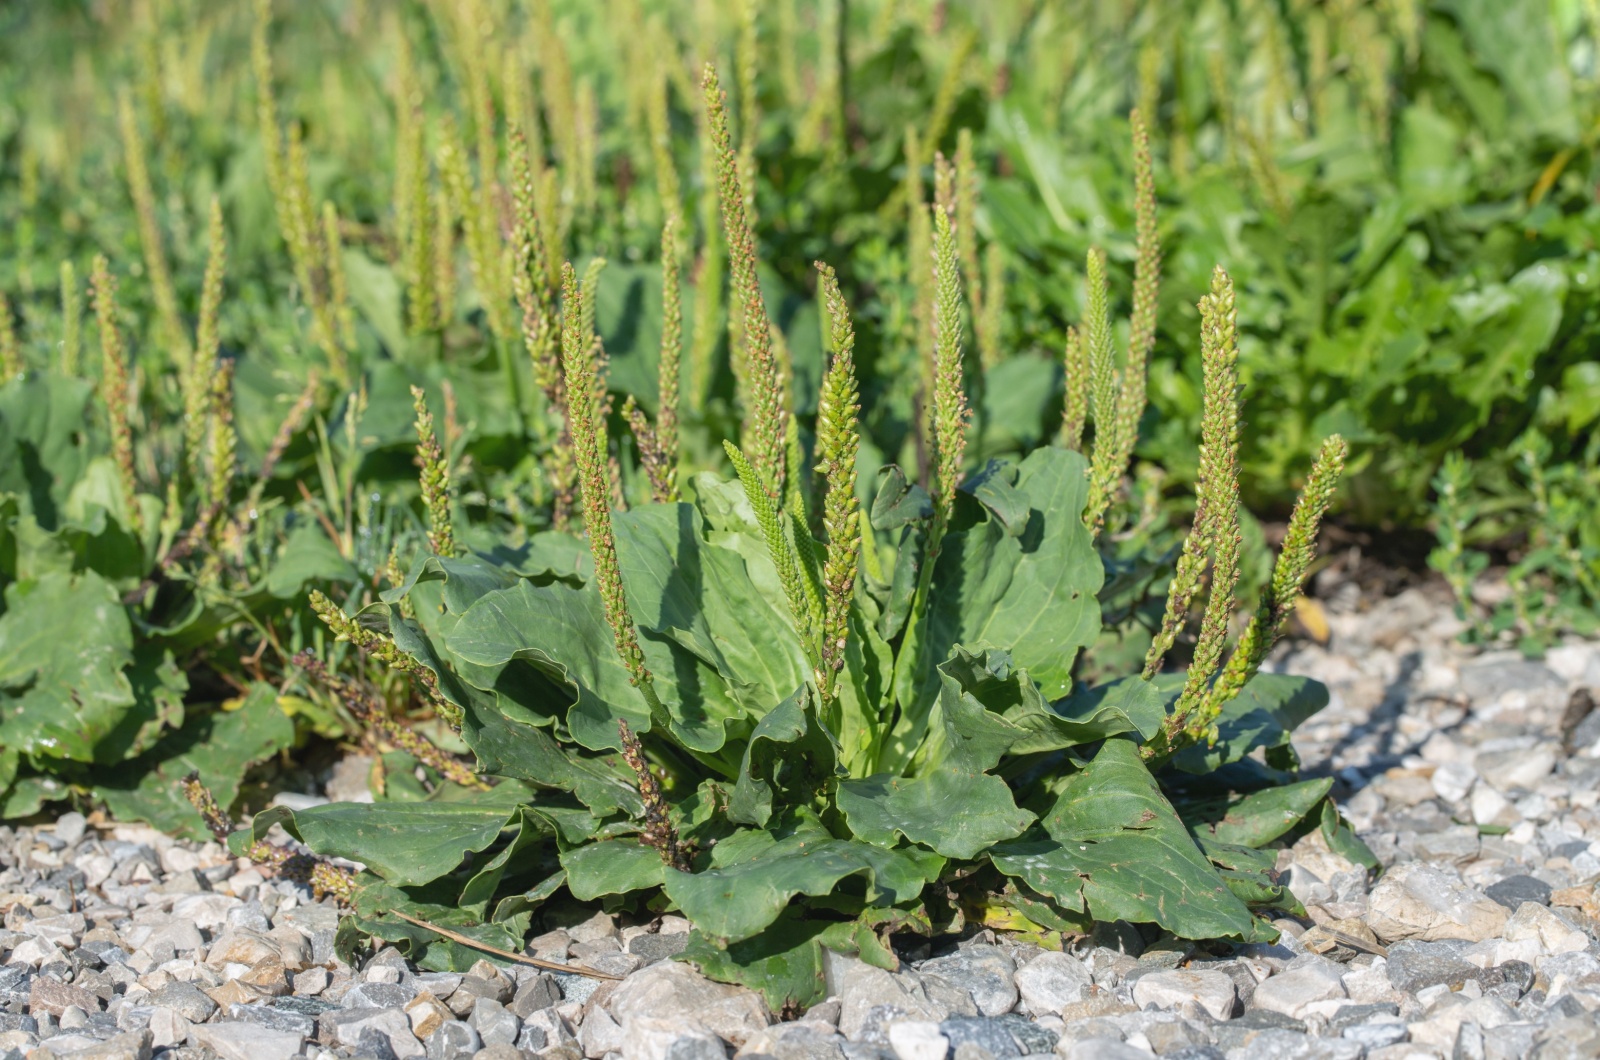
{"x":599,"y":1034}
{"x":918,"y":1040}
{"x":599,"y":926}
{"x":670,"y":989}
{"x":1098,"y":1049}
{"x":1050,"y":982}
{"x":1430,"y":902}
{"x":167,"y":1028}
{"x":1523,"y":768}
{"x":34,"y":951}
{"x":1209,"y":990}
{"x":1453,"y":780}
{"x":1534,"y":923}
{"x":250,"y":1041}
{"x":1575,"y":663}
{"x":1291,"y":993}
{"x":207,"y":912}
{"x":671,"y":1039}
{"x":70,"y":827}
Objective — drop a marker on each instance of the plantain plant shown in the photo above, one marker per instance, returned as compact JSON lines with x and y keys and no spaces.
{"x":805,"y":724}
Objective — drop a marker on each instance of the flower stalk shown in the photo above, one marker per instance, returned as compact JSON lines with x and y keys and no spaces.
{"x":114,"y":387}
{"x":838,"y":441}
{"x":594,"y":482}
{"x":435,"y":479}
{"x":1279,"y":595}
{"x":765,"y":423}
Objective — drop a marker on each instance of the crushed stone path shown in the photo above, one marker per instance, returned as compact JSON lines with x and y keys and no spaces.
{"x":1474,"y":776}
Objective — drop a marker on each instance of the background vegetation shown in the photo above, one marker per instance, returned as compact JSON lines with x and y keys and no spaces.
{"x":305,"y":212}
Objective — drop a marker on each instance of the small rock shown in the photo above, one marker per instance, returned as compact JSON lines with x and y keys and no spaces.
{"x":48,"y":995}
{"x":452,"y":1040}
{"x":1512,"y":891}
{"x":275,"y":1019}
{"x":657,"y":947}
{"x":1050,"y":982}
{"x":186,"y":999}
{"x":1430,"y":902}
{"x":1453,"y":780}
{"x":1212,"y":991}
{"x":69,"y":827}
{"x":1377,"y":1033}
{"x":427,"y":1014}
{"x":494,"y":1022}
{"x":547,"y":1027}
{"x":1293,"y":993}
{"x":1099,"y":1049}
{"x":996,"y":1037}
{"x":345,"y":1027}
{"x":378,"y":995}
{"x":1415,"y":966}
{"x":244,"y":1041}
{"x":1290,"y":1045}
{"x":599,"y":926}
{"x":669,"y":989}
{"x":1096,"y":1006}
{"x":311,"y":982}
{"x":1459,"y":845}
{"x":242,"y":946}
{"x":600,"y":1034}
{"x":1535,"y":922}
{"x":1518,"y":770}
{"x":536,"y":993}
{"x":918,"y":1040}
{"x":674,"y":1039}
{"x":985,"y":972}
{"x":497,"y":988}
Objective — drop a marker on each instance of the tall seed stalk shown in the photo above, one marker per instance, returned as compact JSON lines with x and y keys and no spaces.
{"x":144,"y":206}
{"x":838,"y":441}
{"x":589,"y":448}
{"x":765,"y":424}
{"x":114,"y":387}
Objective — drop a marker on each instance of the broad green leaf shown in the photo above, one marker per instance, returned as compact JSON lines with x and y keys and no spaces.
{"x":1263,"y":714}
{"x":48,"y":435}
{"x":1255,"y":819}
{"x":219,"y":745}
{"x":952,"y":804}
{"x":1126,"y":705}
{"x":64,"y":644}
{"x":788,"y":752}
{"x":712,"y":593}
{"x":784,"y":962}
{"x":863,"y":690}
{"x":512,"y":747}
{"x":995,"y":488}
{"x":375,"y":899}
{"x":1342,"y":838}
{"x":158,"y":687}
{"x":756,"y":874}
{"x":307,"y":558}
{"x":406,"y":843}
{"x":533,"y":828}
{"x":614,"y":866}
{"x":1138,"y":862}
{"x":896,"y":502}
{"x":1031,"y":594}
{"x":563,"y":632}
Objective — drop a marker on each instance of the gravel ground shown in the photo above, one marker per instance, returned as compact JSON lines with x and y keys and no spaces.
{"x":1472,"y":776}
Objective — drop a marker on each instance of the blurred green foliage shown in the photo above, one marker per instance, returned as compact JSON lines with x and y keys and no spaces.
{"x":1403,"y":191}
